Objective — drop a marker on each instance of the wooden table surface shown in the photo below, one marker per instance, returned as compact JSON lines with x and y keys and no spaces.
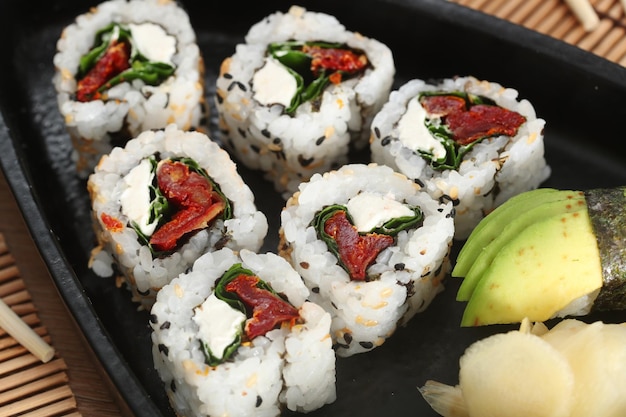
{"x":93,"y":394}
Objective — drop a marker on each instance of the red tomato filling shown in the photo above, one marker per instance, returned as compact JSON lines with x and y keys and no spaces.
{"x":268,"y":310}
{"x":357,"y":252}
{"x":192,"y":196}
{"x":335,"y":59}
{"x":477,"y":122}
{"x":111,"y":223}
{"x":114,"y":61}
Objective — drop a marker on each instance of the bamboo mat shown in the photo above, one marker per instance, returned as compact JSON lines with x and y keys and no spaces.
{"x":28,"y":387}
{"x":554,"y":18}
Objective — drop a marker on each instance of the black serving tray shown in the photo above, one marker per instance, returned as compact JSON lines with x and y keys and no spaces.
{"x":581,"y":96}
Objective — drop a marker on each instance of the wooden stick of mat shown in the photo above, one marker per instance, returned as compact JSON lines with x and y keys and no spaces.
{"x":585,"y":13}
{"x":24,"y":334}
{"x":14,"y":292}
{"x":28,"y":387}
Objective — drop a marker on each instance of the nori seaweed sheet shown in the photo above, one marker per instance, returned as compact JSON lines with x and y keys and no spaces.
{"x":607,"y":212}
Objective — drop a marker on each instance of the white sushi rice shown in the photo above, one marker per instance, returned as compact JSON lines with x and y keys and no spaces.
{"x":493,"y":171}
{"x":405,"y":277}
{"x":289,"y":149}
{"x":288,"y":367}
{"x":120,"y":251}
{"x":130,"y":107}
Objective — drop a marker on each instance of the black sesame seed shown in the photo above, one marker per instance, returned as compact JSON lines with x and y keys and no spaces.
{"x":255,"y":148}
{"x":347,"y":337}
{"x":316,"y":290}
{"x":234,"y":84}
{"x":219,"y":98}
{"x":173,"y":386}
{"x":146,"y":292}
{"x":276,"y":141}
{"x":418,"y":182}
{"x":320,"y":140}
{"x":227,"y":75}
{"x":153,"y":318}
{"x":366,"y":345}
{"x":266,"y":133}
{"x":377,"y":132}
{"x":163,"y":349}
{"x":165,"y":325}
{"x":241,"y":132}
{"x":259,"y":401}
{"x":305,"y":161}
{"x":399,"y":266}
{"x":386,"y":141}
{"x":445,"y":197}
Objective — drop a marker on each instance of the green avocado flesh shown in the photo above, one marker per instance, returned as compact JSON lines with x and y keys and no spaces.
{"x":537,"y":273}
{"x":491,"y":226}
{"x":542,"y":207}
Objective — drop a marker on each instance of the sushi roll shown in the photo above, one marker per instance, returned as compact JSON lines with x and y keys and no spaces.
{"x":236,"y":336}
{"x":544,"y":254}
{"x":470,"y":141}
{"x":371,"y":247}
{"x":124,"y":67}
{"x":162,"y":201}
{"x":299,"y":94}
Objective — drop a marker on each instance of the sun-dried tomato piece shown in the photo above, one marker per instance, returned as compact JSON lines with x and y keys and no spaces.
{"x":114,"y":61}
{"x":476,"y":122}
{"x":443,"y":105}
{"x":356,"y":251}
{"x":268,"y":309}
{"x":111,"y":223}
{"x":335,"y":59}
{"x":483,"y":121}
{"x":194,"y":199}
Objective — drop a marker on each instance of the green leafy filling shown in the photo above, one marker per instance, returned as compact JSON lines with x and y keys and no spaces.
{"x":454,"y":152}
{"x":298,"y":63}
{"x":232,"y":300}
{"x":391,"y":227}
{"x":152,"y":73}
{"x":160,"y":208}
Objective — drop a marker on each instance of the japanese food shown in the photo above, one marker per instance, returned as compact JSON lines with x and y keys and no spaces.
{"x":470,"y":141}
{"x":573,"y":369}
{"x":299,"y":94}
{"x":545,"y":253}
{"x":162,"y":201}
{"x":371,"y":247}
{"x":125,"y":67}
{"x":236,"y":336}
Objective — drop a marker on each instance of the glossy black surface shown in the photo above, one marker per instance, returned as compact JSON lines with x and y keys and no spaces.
{"x":580,"y":96}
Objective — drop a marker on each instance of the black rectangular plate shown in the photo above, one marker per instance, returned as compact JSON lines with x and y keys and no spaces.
{"x":581,"y":96}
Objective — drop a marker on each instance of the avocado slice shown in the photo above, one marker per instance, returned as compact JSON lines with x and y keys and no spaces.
{"x":525,"y":214}
{"x":491,"y":226}
{"x":543,"y":269}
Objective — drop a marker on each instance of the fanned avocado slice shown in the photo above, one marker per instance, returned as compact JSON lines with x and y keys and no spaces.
{"x":559,"y":202}
{"x":538,"y":273}
{"x":491,"y":226}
